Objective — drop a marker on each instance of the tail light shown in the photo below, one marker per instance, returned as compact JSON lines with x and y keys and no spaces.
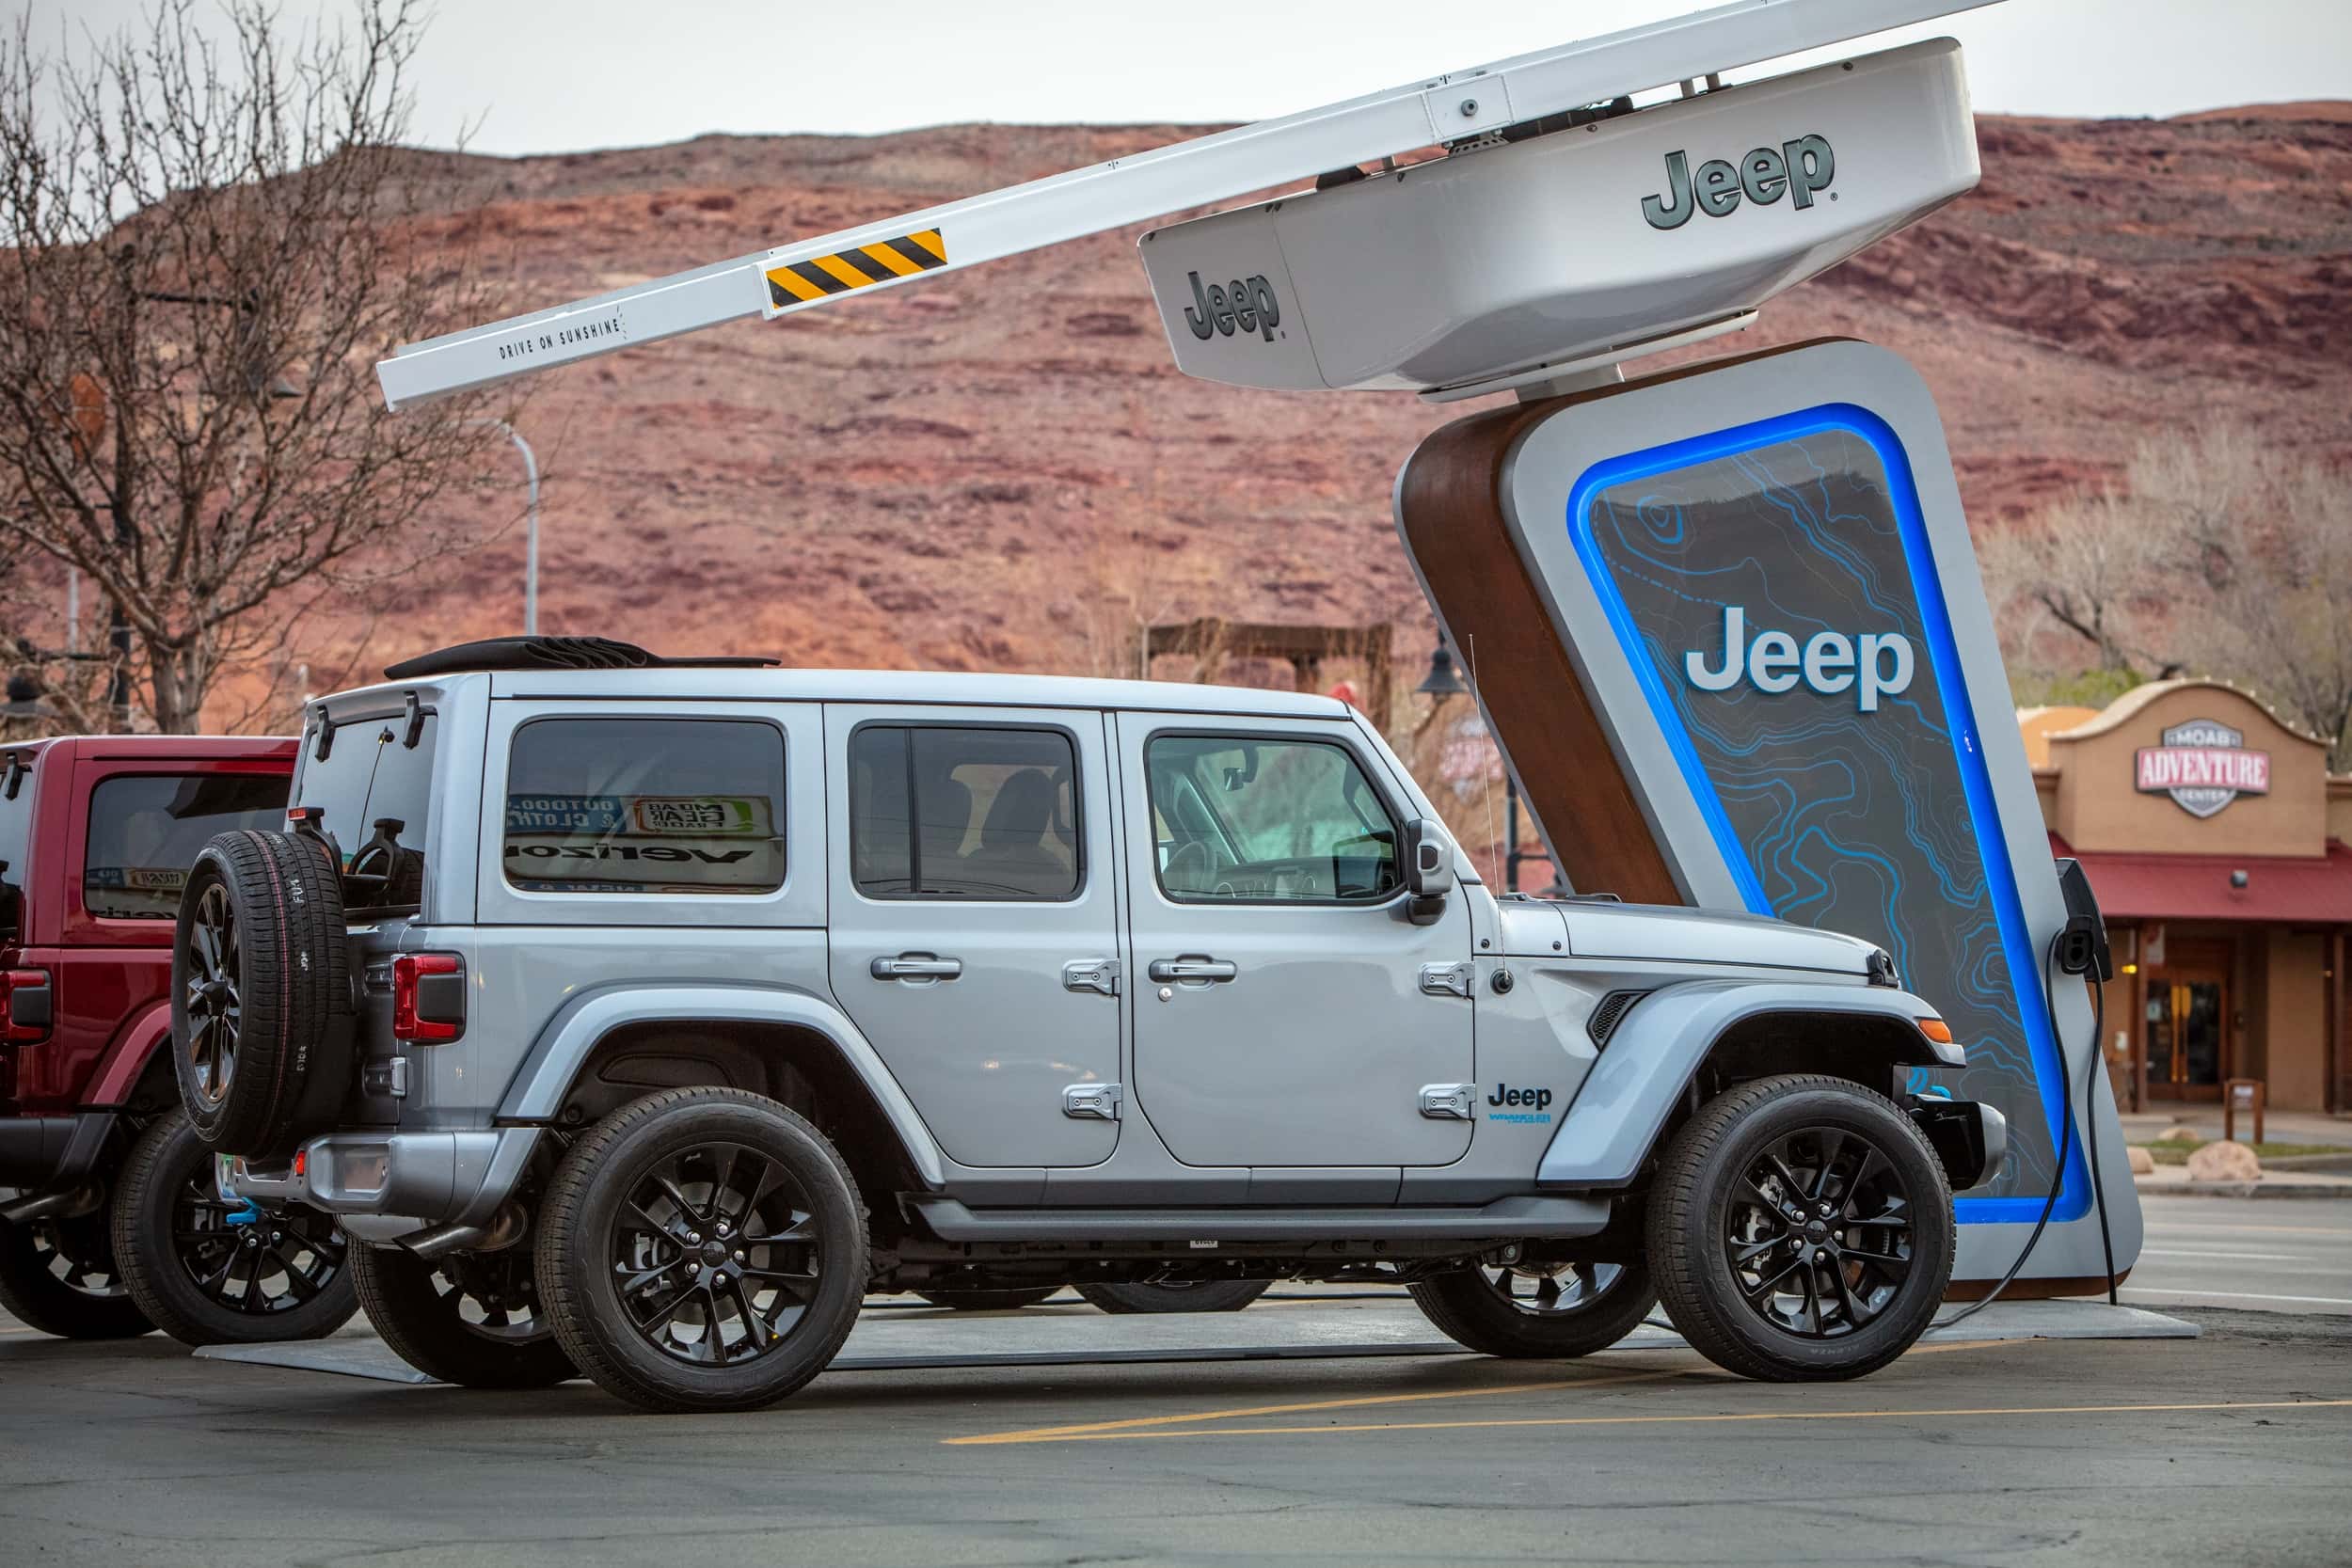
{"x":25,"y":1011}
{"x":428,"y":997}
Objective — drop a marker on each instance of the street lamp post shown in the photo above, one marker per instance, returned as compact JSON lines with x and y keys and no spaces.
{"x":530,"y":527}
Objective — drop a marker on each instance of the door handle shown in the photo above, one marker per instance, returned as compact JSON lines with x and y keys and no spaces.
{"x":1193,"y":969}
{"x":917,"y":966}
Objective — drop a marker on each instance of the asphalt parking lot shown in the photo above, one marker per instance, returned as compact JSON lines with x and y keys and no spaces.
{"x":2236,"y":1446}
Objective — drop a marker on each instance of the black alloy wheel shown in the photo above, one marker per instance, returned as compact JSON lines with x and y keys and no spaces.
{"x":213,"y":1272}
{"x":703,"y":1249}
{"x":59,"y":1276}
{"x":215,"y":1011}
{"x":1552,"y":1289}
{"x":716,"y":1255}
{"x":1818,"y":1232}
{"x":1537,"y":1307}
{"x":260,"y":1263}
{"x":1801,"y":1228}
{"x":474,"y":1319}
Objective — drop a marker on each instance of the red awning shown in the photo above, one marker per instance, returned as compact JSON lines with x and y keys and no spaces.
{"x":2290,"y":890}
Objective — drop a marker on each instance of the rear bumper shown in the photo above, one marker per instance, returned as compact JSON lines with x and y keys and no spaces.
{"x":41,"y":1152}
{"x":388,"y":1185}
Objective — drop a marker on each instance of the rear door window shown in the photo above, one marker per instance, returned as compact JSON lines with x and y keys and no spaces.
{"x":146,"y":829}
{"x":973,"y":811}
{"x":645,"y":805}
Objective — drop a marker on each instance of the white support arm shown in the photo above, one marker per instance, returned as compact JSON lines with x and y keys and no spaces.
{"x":1196,"y":173}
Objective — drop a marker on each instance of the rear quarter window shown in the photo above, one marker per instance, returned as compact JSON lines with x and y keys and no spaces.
{"x":645,"y":805}
{"x":16,"y":848}
{"x":146,"y":829}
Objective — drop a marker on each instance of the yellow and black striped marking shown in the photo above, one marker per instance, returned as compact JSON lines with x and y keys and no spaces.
{"x":800,"y":281}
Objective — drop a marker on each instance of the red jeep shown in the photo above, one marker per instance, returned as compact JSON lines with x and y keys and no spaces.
{"x":110,"y":1220}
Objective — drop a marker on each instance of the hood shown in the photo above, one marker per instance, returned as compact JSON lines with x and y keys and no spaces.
{"x":1707,"y":936}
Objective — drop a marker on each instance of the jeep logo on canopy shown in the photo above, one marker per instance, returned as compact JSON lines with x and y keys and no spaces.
{"x":1246,"y":303}
{"x":2204,"y":765}
{"x":1801,"y":168}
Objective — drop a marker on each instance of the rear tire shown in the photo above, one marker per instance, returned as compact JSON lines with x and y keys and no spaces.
{"x":1180,"y":1295}
{"x":474,"y":1319}
{"x":703,"y":1249}
{"x":59,"y":1276}
{"x":205,"y":1281}
{"x":988,"y":1301}
{"x":1538,"y":1311}
{"x":1801,"y":1230}
{"x":258,"y":976}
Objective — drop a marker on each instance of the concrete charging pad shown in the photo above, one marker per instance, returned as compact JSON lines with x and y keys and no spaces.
{"x":892,"y":1335}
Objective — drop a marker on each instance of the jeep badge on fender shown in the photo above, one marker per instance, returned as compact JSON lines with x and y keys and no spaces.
{"x":1802,"y":168}
{"x":1247,"y":303}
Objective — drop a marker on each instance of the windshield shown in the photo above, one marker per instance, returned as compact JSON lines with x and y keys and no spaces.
{"x":145,"y":830}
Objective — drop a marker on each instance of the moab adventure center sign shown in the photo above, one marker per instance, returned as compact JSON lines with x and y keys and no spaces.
{"x":2204,"y":765}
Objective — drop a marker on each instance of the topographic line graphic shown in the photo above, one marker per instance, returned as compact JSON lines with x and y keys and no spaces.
{"x":1845,"y":819}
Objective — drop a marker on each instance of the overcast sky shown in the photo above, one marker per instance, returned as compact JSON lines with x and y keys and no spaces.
{"x":560,"y":75}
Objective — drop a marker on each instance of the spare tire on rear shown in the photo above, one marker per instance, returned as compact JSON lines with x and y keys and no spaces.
{"x":261,"y":998}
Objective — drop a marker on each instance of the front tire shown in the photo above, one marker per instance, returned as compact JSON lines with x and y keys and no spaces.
{"x":1801,"y":1230}
{"x":703,"y":1249}
{"x":474,"y":1319}
{"x":207,"y":1279}
{"x":1537,"y":1310}
{"x":1176,"y":1295}
{"x":59,"y":1276}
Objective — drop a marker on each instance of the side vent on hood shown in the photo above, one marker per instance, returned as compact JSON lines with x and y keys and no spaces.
{"x":1610,"y":1013}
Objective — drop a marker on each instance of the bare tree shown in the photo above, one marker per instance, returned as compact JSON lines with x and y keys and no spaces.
{"x":2277,"y":613}
{"x":206,"y":255}
{"x":2083,"y":569}
{"x":2219,"y":556}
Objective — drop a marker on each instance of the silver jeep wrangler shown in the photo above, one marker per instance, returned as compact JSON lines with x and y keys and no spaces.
{"x":643,"y":1015}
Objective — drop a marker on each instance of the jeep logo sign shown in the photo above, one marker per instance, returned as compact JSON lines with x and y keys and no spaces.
{"x":1803,"y":168}
{"x":1246,"y":303}
{"x":1874,"y":665}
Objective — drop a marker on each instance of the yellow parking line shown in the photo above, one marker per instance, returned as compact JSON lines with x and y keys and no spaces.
{"x":1671,"y":1420}
{"x":1094,"y":1429}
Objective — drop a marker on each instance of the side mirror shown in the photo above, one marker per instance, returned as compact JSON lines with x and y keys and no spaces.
{"x":1428,"y":860}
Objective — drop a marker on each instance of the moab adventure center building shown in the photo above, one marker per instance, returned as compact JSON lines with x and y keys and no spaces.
{"x":2216,"y":841}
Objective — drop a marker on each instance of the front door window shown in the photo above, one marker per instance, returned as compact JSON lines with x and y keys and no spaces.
{"x":1268,"y":821}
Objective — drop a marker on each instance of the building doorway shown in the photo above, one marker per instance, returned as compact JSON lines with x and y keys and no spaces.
{"x":2188,"y":1022}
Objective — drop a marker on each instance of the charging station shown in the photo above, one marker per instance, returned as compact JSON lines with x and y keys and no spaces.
{"x":1744,"y":595}
{"x":1726,"y":622}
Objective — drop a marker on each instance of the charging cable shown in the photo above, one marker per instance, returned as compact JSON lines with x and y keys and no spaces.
{"x":2066,"y":1136}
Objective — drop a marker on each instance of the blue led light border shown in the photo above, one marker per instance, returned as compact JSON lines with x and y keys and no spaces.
{"x":1952,"y":686}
